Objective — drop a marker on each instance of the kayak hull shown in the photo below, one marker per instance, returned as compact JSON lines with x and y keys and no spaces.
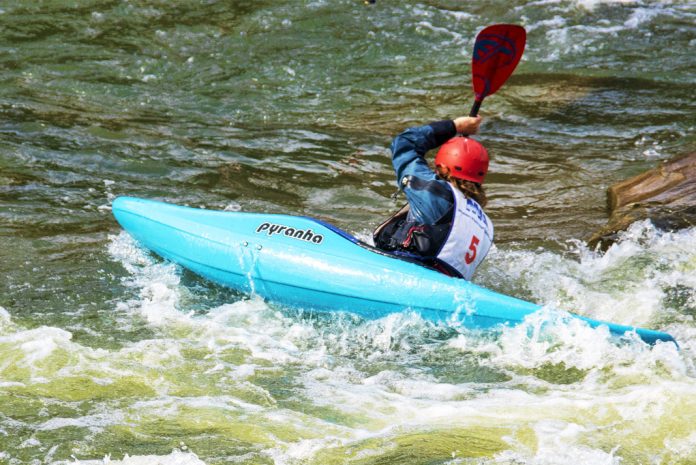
{"x":305,"y":263}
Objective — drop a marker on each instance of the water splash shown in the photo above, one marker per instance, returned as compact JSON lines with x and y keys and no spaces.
{"x":175,"y":458}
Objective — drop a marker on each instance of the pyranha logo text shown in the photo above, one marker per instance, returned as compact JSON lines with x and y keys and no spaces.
{"x":306,"y":235}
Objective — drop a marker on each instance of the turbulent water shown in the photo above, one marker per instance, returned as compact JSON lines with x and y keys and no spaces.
{"x":110,"y":353}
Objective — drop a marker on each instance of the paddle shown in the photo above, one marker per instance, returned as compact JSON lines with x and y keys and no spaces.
{"x":497,"y":50}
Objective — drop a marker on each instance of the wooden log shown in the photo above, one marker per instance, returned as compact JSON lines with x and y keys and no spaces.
{"x":665,"y":195}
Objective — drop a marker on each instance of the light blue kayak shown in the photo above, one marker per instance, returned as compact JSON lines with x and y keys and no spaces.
{"x":303,"y":262}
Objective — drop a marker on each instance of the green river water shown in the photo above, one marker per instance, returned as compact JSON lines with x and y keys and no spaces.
{"x":107,"y":353}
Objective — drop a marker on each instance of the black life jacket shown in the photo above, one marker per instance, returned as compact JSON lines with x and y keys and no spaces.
{"x":402,"y":236}
{"x":400,"y":233}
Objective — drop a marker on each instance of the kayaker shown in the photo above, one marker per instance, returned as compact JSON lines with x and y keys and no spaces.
{"x":443,"y":225}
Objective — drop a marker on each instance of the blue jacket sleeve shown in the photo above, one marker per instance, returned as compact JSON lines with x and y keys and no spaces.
{"x":408,"y":152}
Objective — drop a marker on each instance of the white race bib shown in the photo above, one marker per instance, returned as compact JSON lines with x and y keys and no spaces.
{"x":470,"y":237}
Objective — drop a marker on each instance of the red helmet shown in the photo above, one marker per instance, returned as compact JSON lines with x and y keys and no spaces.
{"x":465,"y":158}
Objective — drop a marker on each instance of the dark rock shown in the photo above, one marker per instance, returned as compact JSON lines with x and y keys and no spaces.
{"x":665,"y":195}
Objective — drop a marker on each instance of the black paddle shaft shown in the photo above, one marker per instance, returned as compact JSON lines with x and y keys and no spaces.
{"x":475,"y":108}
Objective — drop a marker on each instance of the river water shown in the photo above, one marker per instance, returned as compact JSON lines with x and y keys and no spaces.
{"x":289,"y":106}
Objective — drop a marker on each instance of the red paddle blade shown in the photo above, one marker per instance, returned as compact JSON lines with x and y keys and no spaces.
{"x":497,"y":51}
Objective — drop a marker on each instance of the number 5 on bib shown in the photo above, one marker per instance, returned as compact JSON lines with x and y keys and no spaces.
{"x":471,"y":253}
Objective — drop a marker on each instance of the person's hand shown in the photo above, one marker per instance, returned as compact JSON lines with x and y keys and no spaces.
{"x":467,"y":124}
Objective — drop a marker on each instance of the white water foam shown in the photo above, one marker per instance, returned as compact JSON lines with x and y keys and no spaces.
{"x":627,"y":284}
{"x":592,"y":4}
{"x":5,"y":321}
{"x":336,"y":358}
{"x":555,"y":447}
{"x":158,"y":282}
{"x":177,"y":457}
{"x":573,"y":28}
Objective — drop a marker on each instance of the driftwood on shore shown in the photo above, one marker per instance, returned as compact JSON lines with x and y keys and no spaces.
{"x":666,"y":195}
